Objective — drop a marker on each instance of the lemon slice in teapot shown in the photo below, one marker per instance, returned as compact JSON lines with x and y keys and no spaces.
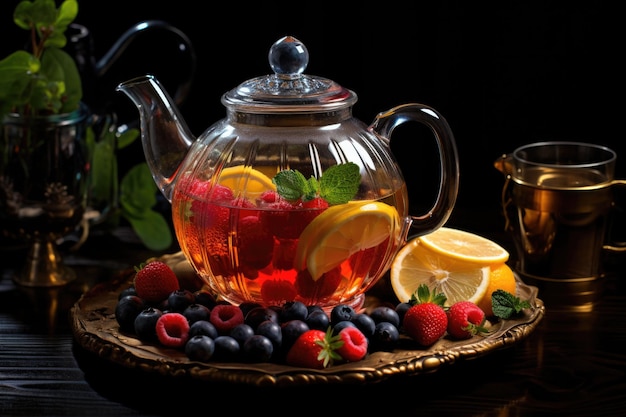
{"x":241,"y":177}
{"x":341,"y":231}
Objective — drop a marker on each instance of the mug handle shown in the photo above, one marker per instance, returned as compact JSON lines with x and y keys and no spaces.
{"x":383,"y":126}
{"x":613,"y":246}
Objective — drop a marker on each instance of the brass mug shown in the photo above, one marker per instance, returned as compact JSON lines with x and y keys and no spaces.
{"x":558,"y":204}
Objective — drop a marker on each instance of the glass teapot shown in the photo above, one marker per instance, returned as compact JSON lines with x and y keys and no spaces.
{"x":289,"y":197}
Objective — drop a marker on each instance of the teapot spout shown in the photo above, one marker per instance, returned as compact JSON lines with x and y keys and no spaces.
{"x":165,"y":137}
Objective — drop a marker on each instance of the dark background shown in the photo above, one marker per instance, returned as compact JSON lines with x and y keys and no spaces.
{"x":502,"y":74}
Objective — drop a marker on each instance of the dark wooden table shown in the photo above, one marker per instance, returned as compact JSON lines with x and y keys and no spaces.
{"x":572,"y":364}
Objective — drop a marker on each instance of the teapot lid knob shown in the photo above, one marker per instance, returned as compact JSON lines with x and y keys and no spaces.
{"x":288,"y":89}
{"x":288,"y":57}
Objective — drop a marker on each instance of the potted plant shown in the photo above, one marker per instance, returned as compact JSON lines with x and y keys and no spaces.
{"x":53,"y":163}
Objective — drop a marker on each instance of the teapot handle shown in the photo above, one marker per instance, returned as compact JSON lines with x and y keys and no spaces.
{"x":384,"y":124}
{"x":112,"y":55}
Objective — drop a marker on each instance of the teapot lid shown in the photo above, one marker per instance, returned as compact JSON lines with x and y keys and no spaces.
{"x":288,"y":90}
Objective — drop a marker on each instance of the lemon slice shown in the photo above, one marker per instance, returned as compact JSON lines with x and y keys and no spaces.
{"x":245,"y":179}
{"x":458,"y":280}
{"x":342,"y":230}
{"x":464,"y":246}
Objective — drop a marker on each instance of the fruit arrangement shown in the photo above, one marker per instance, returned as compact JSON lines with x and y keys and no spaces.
{"x":158,"y":310}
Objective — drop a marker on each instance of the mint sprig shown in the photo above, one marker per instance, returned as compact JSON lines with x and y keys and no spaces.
{"x":506,"y":305}
{"x":337,"y":185}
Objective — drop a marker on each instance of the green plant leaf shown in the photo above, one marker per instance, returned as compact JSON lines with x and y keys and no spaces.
{"x":53,"y":87}
{"x":137,"y":191}
{"x":152,"y":229}
{"x":137,"y":199}
{"x":127,"y":137}
{"x":59,"y":66}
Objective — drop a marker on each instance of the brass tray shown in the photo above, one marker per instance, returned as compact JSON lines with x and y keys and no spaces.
{"x":95,"y":328}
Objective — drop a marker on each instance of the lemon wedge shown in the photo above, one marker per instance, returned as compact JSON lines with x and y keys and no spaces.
{"x":341,"y":231}
{"x":457,"y":279}
{"x":250,"y":181}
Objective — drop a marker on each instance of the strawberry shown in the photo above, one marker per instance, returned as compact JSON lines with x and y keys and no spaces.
{"x":354,"y":346}
{"x":314,"y":349}
{"x":155,"y":281}
{"x":465,"y":319}
{"x":426,"y":320}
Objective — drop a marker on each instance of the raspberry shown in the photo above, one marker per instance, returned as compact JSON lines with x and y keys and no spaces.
{"x":155,"y":281}
{"x":324,"y":287}
{"x":256,"y":246}
{"x":225,"y":317}
{"x":172,"y":330}
{"x":275,"y":291}
{"x":354,"y":346}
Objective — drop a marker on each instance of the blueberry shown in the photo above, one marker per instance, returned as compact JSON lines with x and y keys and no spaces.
{"x":195,"y":312}
{"x":259,"y":314}
{"x":272,"y":331}
{"x":200,"y":348}
{"x":313,"y":308}
{"x":364,"y":323}
{"x":401,"y":309}
{"x":179,"y":300}
{"x":291,"y":330}
{"x":205,"y":298}
{"x":341,"y":312}
{"x":318,"y":320}
{"x":241,"y":333}
{"x":385,"y":337}
{"x":145,"y":324}
{"x":127,"y":291}
{"x":258,"y":348}
{"x":246,"y":306}
{"x":342,"y":325}
{"x":126,"y":310}
{"x":203,"y":327}
{"x":293,"y":310}
{"x":385,"y":313}
{"x":227,"y":349}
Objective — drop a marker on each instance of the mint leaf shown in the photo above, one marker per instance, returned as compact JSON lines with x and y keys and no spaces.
{"x":337,"y":185}
{"x":506,"y":305}
{"x":290,"y":184}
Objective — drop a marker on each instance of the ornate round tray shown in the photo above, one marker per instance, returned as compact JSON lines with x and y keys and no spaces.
{"x":95,"y":329}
